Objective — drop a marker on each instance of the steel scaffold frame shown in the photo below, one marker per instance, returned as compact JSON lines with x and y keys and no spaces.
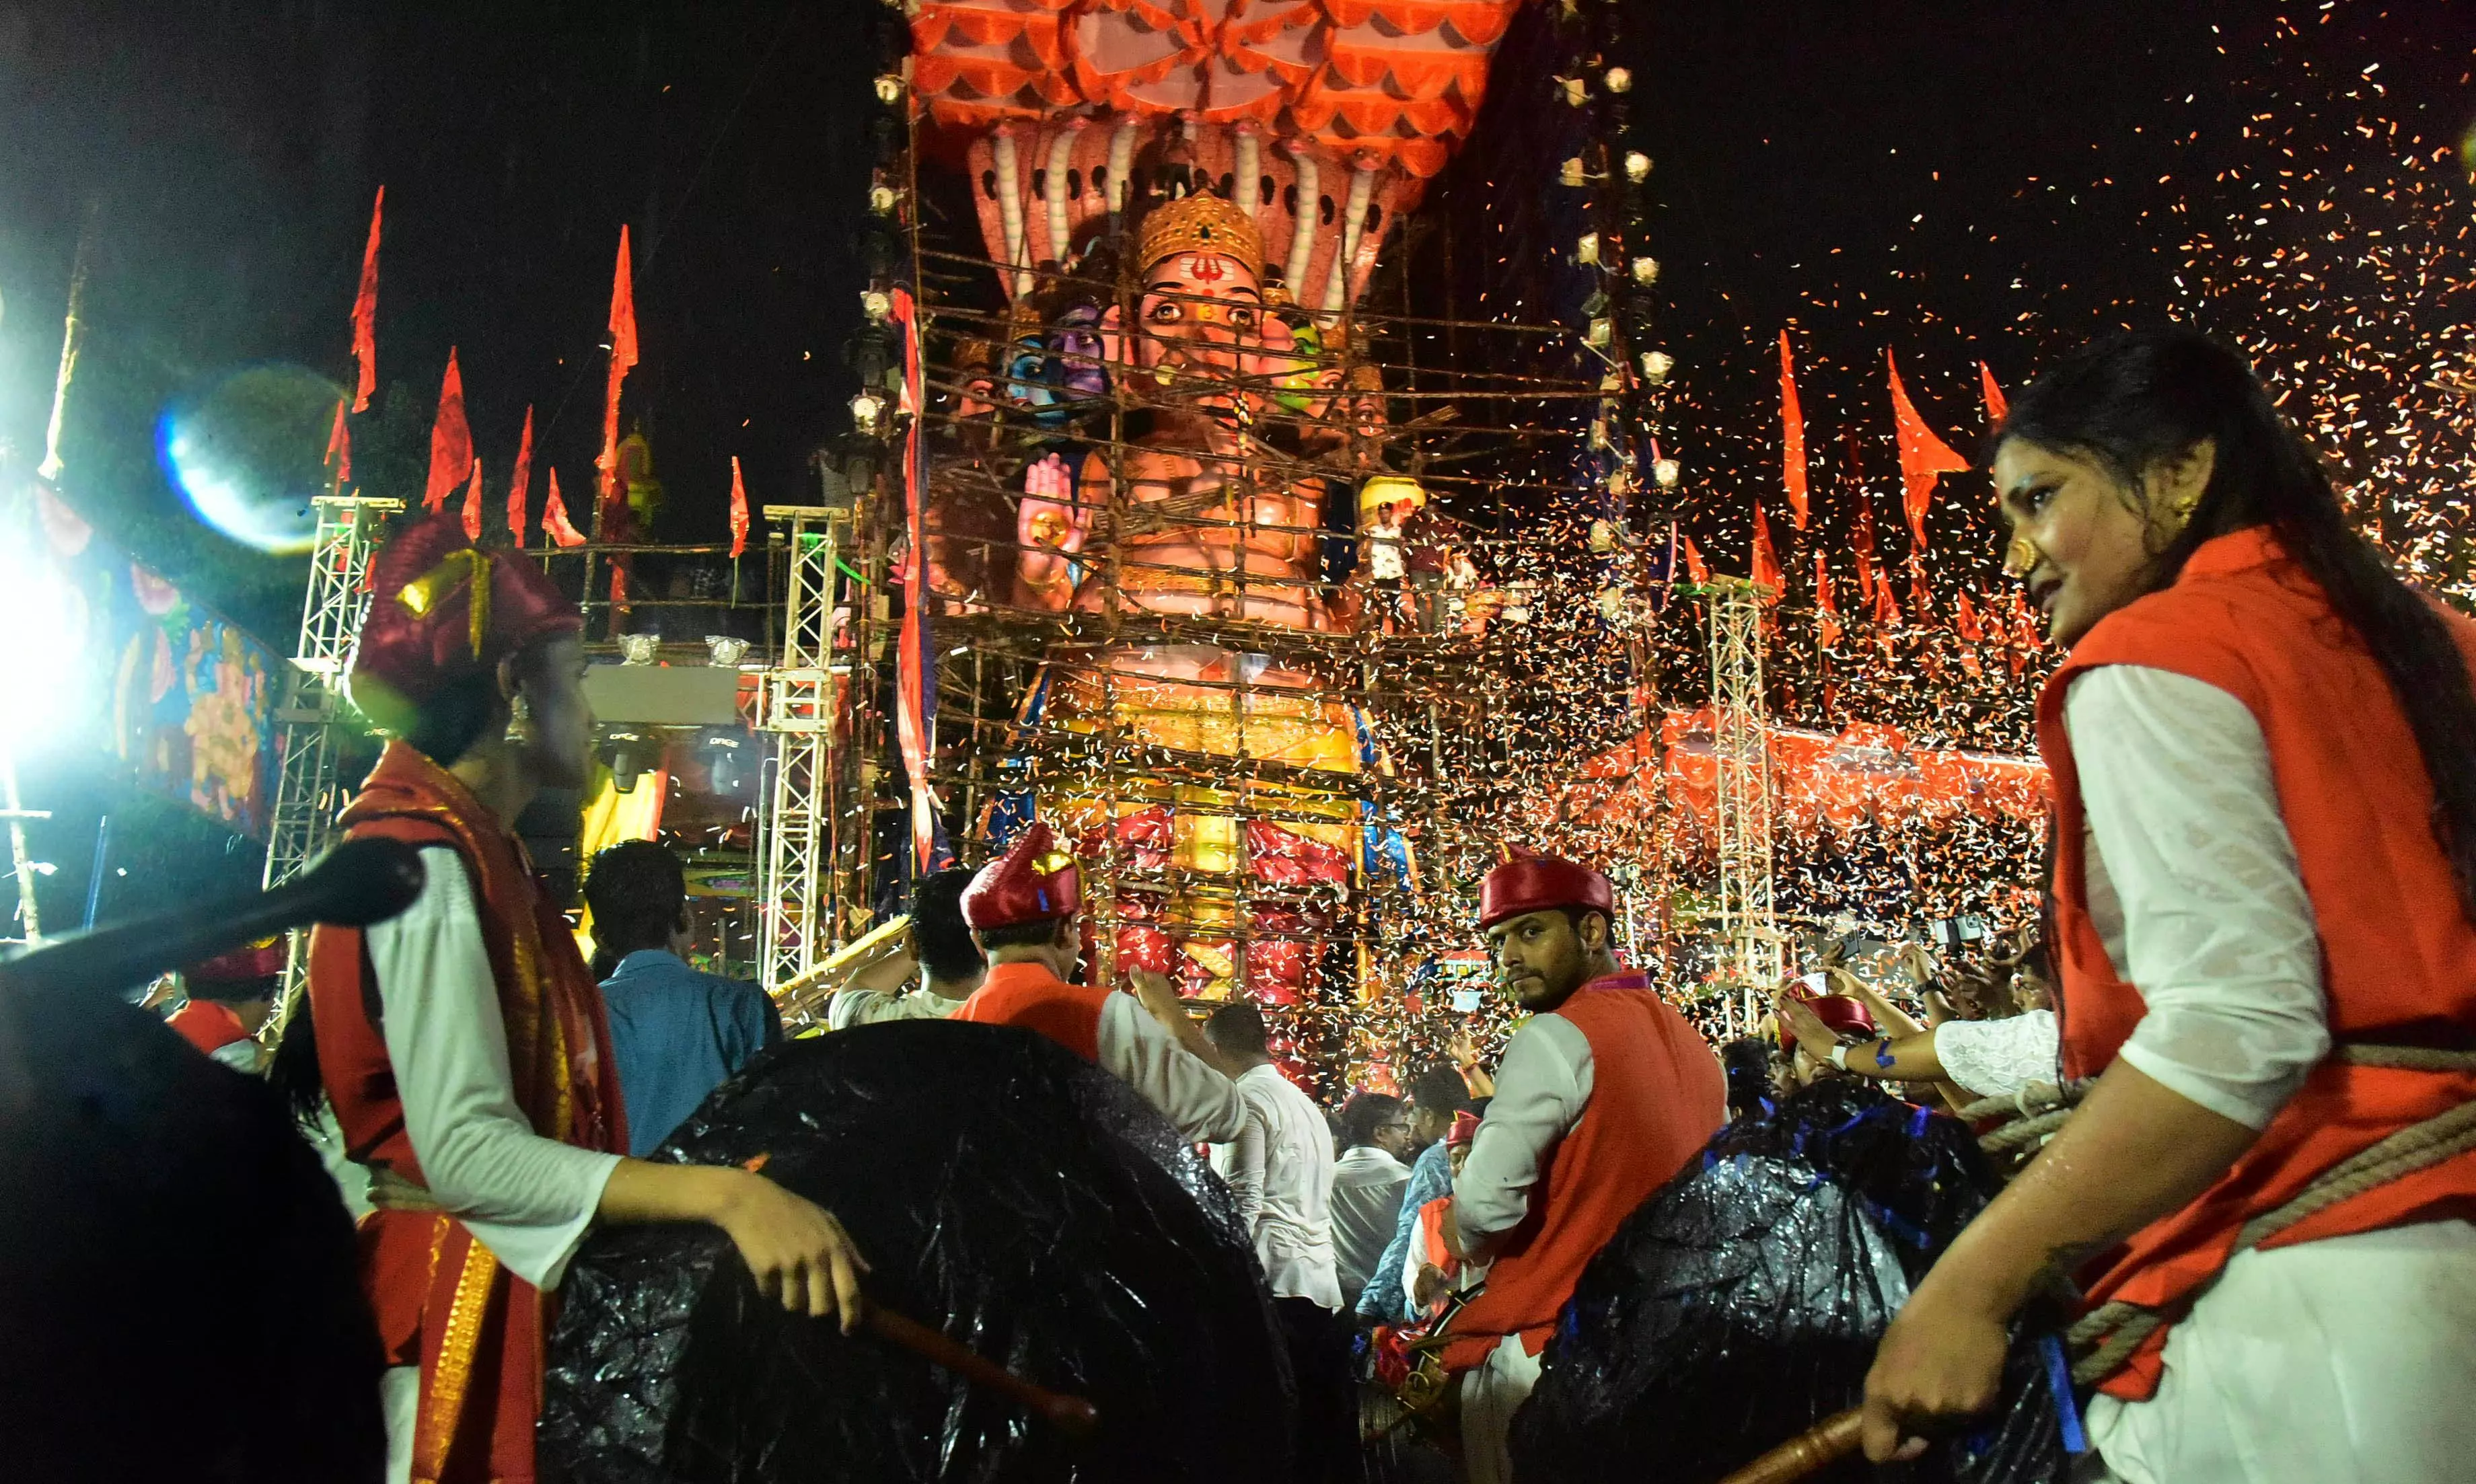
{"x":301,"y":821}
{"x":797,"y":895}
{"x":1742,"y":745}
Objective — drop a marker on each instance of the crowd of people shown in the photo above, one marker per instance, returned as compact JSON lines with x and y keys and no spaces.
{"x":2258,"y":962}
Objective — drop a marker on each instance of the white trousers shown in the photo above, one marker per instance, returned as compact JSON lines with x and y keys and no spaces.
{"x":2347,"y":1361}
{"x":1491,"y":1393}
{"x":400,"y":1400}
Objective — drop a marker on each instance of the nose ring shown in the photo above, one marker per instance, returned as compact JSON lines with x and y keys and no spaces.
{"x":2021,"y":558}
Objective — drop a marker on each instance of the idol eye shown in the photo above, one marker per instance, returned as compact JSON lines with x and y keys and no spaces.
{"x":1244,"y":319}
{"x":1165,"y":313}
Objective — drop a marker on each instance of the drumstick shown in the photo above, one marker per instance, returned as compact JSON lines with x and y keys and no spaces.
{"x":1807,"y":1454}
{"x":1073,"y":1415}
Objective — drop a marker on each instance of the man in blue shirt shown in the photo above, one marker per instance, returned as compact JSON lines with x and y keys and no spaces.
{"x":1436,"y":1095}
{"x":674,"y":1031}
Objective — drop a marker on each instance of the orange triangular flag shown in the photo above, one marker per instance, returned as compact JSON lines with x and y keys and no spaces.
{"x":1924,"y":457}
{"x":1766,"y":566}
{"x":554,"y":517}
{"x":366,"y":313}
{"x":1792,"y":436}
{"x":1996,"y":408}
{"x":1694,"y":566}
{"x":450,"y":441}
{"x":1826,"y":612}
{"x":1964,"y":618}
{"x":623,"y":355}
{"x":473,"y":504}
{"x":739,"y":510}
{"x":1887,"y":609}
{"x":520,"y":489}
{"x":1920,"y":601}
{"x":340,"y":447}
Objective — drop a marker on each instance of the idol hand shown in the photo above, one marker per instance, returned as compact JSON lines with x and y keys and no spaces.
{"x":1051,"y":526}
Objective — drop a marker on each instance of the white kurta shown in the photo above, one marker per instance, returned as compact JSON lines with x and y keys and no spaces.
{"x":1278,"y":1166}
{"x":1366,"y":1207}
{"x":1139,"y":1051}
{"x":851,"y":1008}
{"x":528,"y":1199}
{"x":1996,"y":1058}
{"x":1542,"y":1086}
{"x":2344,"y":1361}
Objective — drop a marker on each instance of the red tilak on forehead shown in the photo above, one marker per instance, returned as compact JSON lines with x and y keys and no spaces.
{"x":1209,"y":270}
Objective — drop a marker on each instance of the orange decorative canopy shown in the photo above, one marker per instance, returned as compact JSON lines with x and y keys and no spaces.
{"x":1400,"y":79}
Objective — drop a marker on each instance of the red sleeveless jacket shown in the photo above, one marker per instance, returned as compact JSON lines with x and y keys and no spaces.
{"x":2398,"y":957}
{"x":1657,"y":1095}
{"x":1027,"y":995}
{"x":441,"y":1299}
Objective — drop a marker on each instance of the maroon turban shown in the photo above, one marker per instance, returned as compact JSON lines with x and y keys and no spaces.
{"x":441,"y":610}
{"x":1845,"y":1014}
{"x":1035,"y":882}
{"x":1527,"y":882}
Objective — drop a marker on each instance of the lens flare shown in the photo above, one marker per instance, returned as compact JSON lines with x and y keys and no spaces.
{"x":248,"y":454}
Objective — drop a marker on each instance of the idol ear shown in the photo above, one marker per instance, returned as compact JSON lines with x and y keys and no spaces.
{"x":1113,"y":342}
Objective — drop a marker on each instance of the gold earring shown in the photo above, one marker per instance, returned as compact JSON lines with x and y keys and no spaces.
{"x":2021,"y":558}
{"x":520,"y":719}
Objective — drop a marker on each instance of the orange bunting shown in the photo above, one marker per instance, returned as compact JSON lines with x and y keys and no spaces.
{"x":555,"y":519}
{"x":340,"y":447}
{"x":738,"y":511}
{"x":1924,"y":457}
{"x":1765,"y":564}
{"x":473,"y":504}
{"x":1826,"y":612}
{"x":366,"y":313}
{"x":519,"y":488}
{"x":622,"y":355}
{"x":1792,"y":436}
{"x":450,"y":441}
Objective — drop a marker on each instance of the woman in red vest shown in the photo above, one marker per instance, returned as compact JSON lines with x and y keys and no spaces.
{"x":462,"y":1044}
{"x":2263,"y":753}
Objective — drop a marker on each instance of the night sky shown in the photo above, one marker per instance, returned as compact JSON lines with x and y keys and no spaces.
{"x":1957,"y":181}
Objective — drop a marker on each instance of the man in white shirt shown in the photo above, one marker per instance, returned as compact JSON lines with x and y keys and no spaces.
{"x":1367,"y":1187}
{"x":938,"y":948}
{"x":1279,"y":1167}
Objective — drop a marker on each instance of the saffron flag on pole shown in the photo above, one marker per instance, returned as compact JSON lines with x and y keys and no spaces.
{"x":1996,"y":408}
{"x":520,"y":486}
{"x":622,"y":355}
{"x":340,"y":447}
{"x":1924,"y":457}
{"x":1826,"y":612}
{"x":738,"y":511}
{"x":1792,"y":436}
{"x":555,"y":519}
{"x":366,"y":313}
{"x":1694,"y":566}
{"x":473,"y":504}
{"x":915,"y":672}
{"x":1765,"y":564}
{"x":1920,"y":599}
{"x":1964,"y":618}
{"x":450,"y":441}
{"x":1863,"y":543}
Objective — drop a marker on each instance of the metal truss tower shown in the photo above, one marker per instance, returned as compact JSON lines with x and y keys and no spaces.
{"x":796,"y":899}
{"x":1743,"y":746}
{"x":306,"y":790}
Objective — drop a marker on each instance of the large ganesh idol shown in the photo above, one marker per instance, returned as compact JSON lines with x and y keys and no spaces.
{"x":1196,"y":516}
{"x":1181,"y":200}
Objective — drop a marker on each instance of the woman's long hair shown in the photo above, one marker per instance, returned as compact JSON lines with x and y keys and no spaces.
{"x":2128,"y":401}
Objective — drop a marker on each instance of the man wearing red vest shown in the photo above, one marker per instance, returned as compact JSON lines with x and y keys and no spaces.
{"x":1602,"y":1095}
{"x":231,"y":997}
{"x":462,"y":1044}
{"x":1022,"y":910}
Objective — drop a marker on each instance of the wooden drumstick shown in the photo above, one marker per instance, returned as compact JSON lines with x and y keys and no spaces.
{"x":1807,"y":1454}
{"x":1073,"y":1415}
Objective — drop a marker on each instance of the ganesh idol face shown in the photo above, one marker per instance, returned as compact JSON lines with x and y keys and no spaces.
{"x":1201,"y":335}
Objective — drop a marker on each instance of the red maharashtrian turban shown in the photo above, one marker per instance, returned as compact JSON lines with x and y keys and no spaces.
{"x":441,"y":610}
{"x":247,"y":964}
{"x":1035,"y":882}
{"x":1530,"y":882}
{"x":1845,"y":1014}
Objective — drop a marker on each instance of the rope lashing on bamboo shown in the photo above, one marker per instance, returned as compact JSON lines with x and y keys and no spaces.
{"x":2108,"y":1334}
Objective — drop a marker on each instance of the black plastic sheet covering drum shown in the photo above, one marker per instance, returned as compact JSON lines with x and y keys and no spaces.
{"x":1740,"y":1304}
{"x":1005,"y":1192}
